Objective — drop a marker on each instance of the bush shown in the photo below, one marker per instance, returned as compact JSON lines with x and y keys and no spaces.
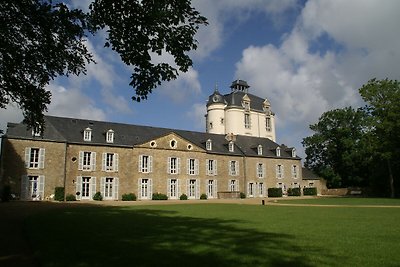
{"x":310,"y":191}
{"x":242,"y":195}
{"x":294,"y":191}
{"x":203,"y":196}
{"x":59,"y":194}
{"x":6,"y":194}
{"x":183,"y":197}
{"x":159,"y":196}
{"x":274,"y":192}
{"x":70,"y":197}
{"x":129,"y":197}
{"x":98,"y":196}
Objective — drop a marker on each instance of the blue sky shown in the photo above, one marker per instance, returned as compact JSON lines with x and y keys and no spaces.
{"x":306,"y":57}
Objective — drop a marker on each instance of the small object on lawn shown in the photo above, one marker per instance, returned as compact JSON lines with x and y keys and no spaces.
{"x":263,"y":202}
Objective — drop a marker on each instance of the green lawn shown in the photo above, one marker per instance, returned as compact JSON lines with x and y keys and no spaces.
{"x":348,"y":201}
{"x":216,"y":235}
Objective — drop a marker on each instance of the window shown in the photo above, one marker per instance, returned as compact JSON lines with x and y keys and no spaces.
{"x":110,"y":162}
{"x":173,"y":165}
{"x":109,"y":188}
{"x":85,"y":187}
{"x":259,"y":150}
{"x":193,"y":189}
{"x":250,"y":189}
{"x":87,"y":134}
{"x":282,"y":186}
{"x":110,"y":136}
{"x":37,"y":130}
{"x":261,"y":190}
{"x":193,"y":166}
{"x":233,"y":167}
{"x":233,"y":185}
{"x":208,"y":144}
{"x":145,"y":164}
{"x":173,"y":144}
{"x":279,"y":171}
{"x":211,"y":125}
{"x":278,"y":151}
{"x":293,"y":152}
{"x":268,"y":124}
{"x":87,"y":161}
{"x":211,"y":166}
{"x":34,"y":158}
{"x":231,"y":146}
{"x":173,"y":188}
{"x":260,"y":170}
{"x":246,"y":105}
{"x":32,"y":187}
{"x":211,"y":188}
{"x":145,"y":188}
{"x":294,"y":171}
{"x":247,"y":123}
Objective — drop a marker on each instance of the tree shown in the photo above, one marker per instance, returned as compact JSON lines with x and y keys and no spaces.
{"x":383,"y":106}
{"x":339,"y":149}
{"x":41,"y":40}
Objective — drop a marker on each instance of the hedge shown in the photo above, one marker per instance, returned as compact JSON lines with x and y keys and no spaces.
{"x":274,"y":192}
{"x":294,"y":191}
{"x":310,"y":191}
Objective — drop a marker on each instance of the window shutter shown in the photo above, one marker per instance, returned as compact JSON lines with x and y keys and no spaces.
{"x":215,"y":167}
{"x":237,"y":186}
{"x":150,"y":163}
{"x":116,"y":188}
{"x":93,"y":160}
{"x":41,"y":158}
{"x":187,"y":187}
{"x":263,"y":171}
{"x":169,"y":188}
{"x":282,"y":172}
{"x":215,"y":194}
{"x":103,"y":186}
{"x":150,"y":188}
{"x":140,"y":188}
{"x":103,"y":162}
{"x":116,"y":162}
{"x":169,"y":165}
{"x":80,"y":165}
{"x":178,"y":188}
{"x":208,"y":166}
{"x":78,"y":187}
{"x":178,"y":165}
{"x":140,"y":163}
{"x":277,"y":171}
{"x":24,"y":186}
{"x":197,"y":189}
{"x":41,"y":187}
{"x":27,"y":156}
{"x":237,"y":167}
{"x":188,"y":166}
{"x":92,"y":187}
{"x":196,"y":166}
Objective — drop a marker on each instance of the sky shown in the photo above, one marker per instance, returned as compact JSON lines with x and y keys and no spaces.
{"x":306,"y":57}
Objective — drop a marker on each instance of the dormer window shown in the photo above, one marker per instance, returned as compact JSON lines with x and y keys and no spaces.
{"x":37,"y":130}
{"x":110,"y":136}
{"x":246,"y":106}
{"x":87,"y":134}
{"x":231,"y":146}
{"x":208,"y":144}
{"x":268,"y":123}
{"x":294,"y":152}
{"x":259,"y":150}
{"x":278,"y":151}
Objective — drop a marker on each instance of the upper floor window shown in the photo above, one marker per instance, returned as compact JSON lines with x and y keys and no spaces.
{"x":173,"y":144}
{"x":246,"y":105}
{"x":37,"y":130}
{"x":110,"y":136}
{"x":110,"y":162}
{"x":278,"y":151}
{"x":259,"y":150}
{"x":34,"y":158}
{"x":268,"y":123}
{"x":211,"y":167}
{"x":293,"y":152}
{"x":231,"y":146}
{"x":260,"y":170}
{"x":87,"y":161}
{"x":233,"y":167}
{"x":294,"y":171}
{"x":87,"y":134}
{"x":193,"y":166}
{"x":173,"y":165}
{"x":247,"y":123}
{"x":209,"y":145}
{"x":145,"y":164}
{"x":279,"y":171}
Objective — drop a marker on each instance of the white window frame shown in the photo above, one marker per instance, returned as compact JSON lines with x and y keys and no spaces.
{"x":113,"y":187}
{"x":279,"y":171}
{"x":145,"y":164}
{"x":231,"y":146}
{"x":209,"y":145}
{"x":145,"y":190}
{"x":211,"y":167}
{"x":268,"y":124}
{"x":87,"y":161}
{"x":278,"y":151}
{"x":261,"y":189}
{"x":110,"y":165}
{"x":173,"y":189}
{"x":251,"y":189}
{"x":192,"y":166}
{"x":174,"y":164}
{"x":247,"y":120}
{"x":294,"y":153}
{"x":87,"y":134}
{"x":35,"y":161}
{"x":260,"y":169}
{"x":259,"y":150}
{"x":91,"y":187}
{"x":193,"y":189}
{"x":32,"y":187}
{"x":233,"y":167}
{"x":295,"y":172}
{"x":110,"y":136}
{"x":233,"y":185}
{"x":211,"y":188}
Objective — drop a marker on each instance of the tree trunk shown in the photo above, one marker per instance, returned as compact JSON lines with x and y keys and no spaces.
{"x":392,"y":194}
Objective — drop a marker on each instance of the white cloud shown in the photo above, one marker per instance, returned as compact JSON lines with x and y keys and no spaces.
{"x":197,"y":112}
{"x":11,"y":113}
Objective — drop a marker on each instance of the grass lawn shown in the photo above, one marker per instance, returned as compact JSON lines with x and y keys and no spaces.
{"x":348,"y":201}
{"x":216,"y":235}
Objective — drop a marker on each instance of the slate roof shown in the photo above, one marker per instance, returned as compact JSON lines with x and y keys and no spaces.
{"x":70,"y":130}
{"x":309,"y":175}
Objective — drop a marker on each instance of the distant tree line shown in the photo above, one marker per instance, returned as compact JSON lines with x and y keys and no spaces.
{"x":360,"y":147}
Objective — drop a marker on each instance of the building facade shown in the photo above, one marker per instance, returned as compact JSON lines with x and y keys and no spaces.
{"x":86,"y":157}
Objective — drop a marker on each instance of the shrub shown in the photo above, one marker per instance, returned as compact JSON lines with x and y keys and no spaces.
{"x":70,"y":197}
{"x":294,"y":191}
{"x":242,"y":195}
{"x":310,"y":191}
{"x":159,"y":196}
{"x":98,"y":196}
{"x":183,"y":197}
{"x":203,"y":196}
{"x":59,"y":194}
{"x":129,"y":197}
{"x":274,"y":192}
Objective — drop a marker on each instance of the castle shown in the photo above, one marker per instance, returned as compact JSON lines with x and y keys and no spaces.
{"x":236,"y":154}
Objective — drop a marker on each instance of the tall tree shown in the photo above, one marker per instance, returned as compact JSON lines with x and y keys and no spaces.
{"x":338,"y":150}
{"x":383,"y":105}
{"x":40,"y":40}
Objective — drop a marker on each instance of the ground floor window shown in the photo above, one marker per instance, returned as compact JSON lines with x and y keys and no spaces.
{"x":109,"y":188}
{"x":261,"y":191}
{"x":233,"y":185}
{"x":250,"y":189}
{"x":145,"y":188}
{"x":32,"y":187}
{"x":173,"y":188}
{"x":282,"y":186}
{"x":85,"y":187}
{"x":193,"y":189}
{"x":211,"y":188}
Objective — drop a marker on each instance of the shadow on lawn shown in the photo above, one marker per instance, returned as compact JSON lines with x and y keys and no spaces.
{"x":114,"y":236}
